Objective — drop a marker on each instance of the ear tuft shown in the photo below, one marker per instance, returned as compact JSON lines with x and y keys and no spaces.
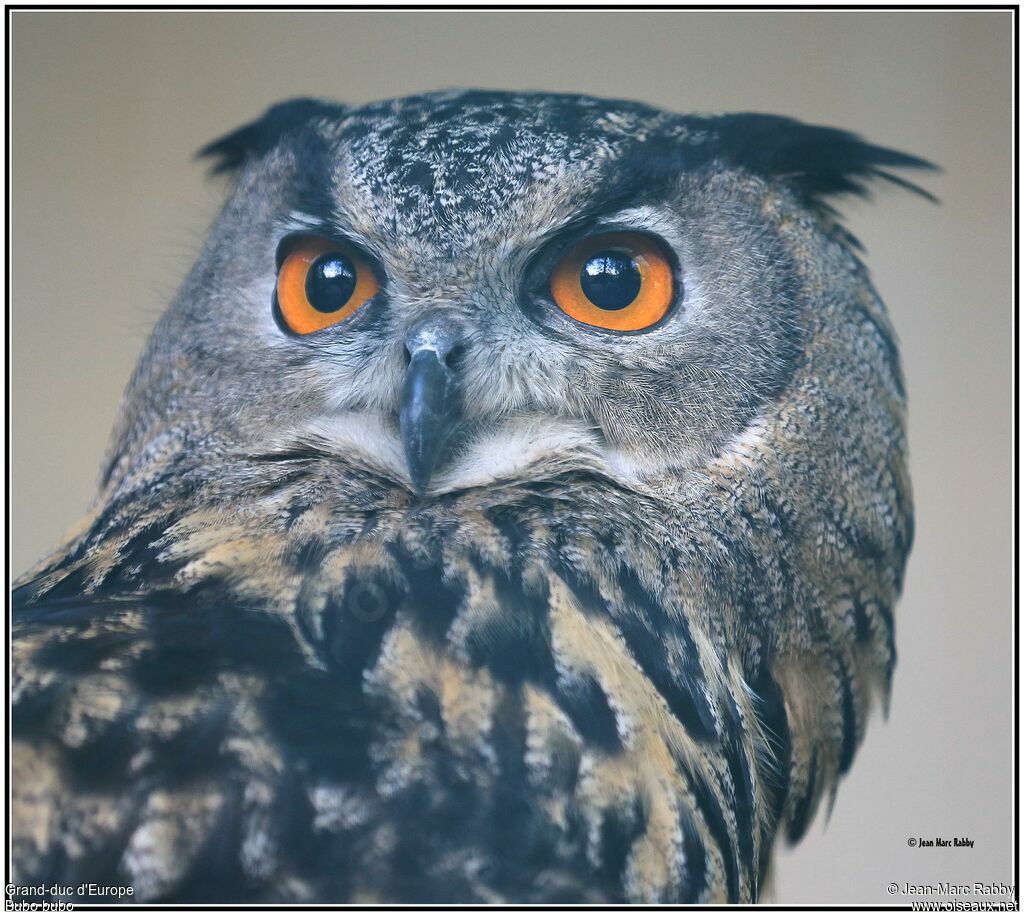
{"x":817,"y":162}
{"x":255,"y":139}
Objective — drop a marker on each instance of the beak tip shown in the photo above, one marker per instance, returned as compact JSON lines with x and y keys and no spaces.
{"x":419,"y":486}
{"x":420,"y":464}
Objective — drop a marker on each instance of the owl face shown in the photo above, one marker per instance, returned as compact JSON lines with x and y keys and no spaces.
{"x":458,"y":290}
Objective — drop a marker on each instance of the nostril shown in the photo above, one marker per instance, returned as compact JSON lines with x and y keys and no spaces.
{"x":453,"y":359}
{"x":450,"y":357}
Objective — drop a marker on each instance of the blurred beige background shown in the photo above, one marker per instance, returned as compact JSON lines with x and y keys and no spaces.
{"x":109,"y":209}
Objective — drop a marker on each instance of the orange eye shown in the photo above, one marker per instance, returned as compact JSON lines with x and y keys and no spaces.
{"x":621,"y":281}
{"x":320,"y":283}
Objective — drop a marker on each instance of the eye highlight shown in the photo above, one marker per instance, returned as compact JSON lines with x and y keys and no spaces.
{"x":619,"y":281}
{"x":321,"y":283}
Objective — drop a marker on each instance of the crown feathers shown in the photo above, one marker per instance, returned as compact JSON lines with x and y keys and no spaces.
{"x":816,"y":162}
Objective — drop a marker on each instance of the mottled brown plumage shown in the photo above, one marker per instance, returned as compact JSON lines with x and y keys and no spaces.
{"x":631,"y":631}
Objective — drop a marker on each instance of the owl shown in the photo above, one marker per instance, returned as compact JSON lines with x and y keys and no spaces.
{"x":510,"y":507}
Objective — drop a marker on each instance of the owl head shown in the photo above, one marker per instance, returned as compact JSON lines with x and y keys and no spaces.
{"x":465,"y":289}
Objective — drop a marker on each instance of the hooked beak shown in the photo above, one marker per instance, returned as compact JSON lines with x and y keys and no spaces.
{"x":430,"y":402}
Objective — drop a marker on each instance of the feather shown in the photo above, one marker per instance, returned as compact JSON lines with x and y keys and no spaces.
{"x":253,"y":140}
{"x":818,"y":162}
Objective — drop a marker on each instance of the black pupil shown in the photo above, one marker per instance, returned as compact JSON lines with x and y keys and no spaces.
{"x":330,"y":282}
{"x":610,"y":279}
